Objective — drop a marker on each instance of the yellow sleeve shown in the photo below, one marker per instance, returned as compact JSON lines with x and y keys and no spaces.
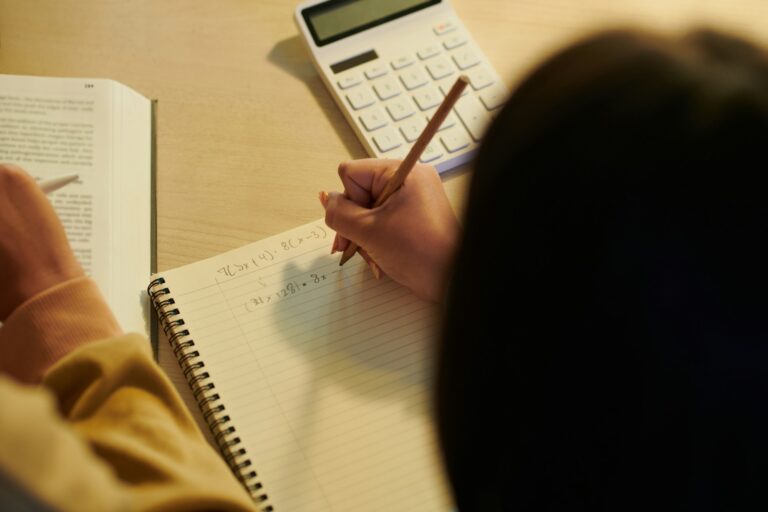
{"x":110,"y":433}
{"x":106,"y":430}
{"x":119,"y":402}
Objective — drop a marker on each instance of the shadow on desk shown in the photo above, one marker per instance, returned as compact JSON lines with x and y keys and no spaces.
{"x":291,"y":56}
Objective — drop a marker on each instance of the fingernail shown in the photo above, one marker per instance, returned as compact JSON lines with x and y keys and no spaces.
{"x":375,"y":270}
{"x":323,"y":199}
{"x":335,"y":246}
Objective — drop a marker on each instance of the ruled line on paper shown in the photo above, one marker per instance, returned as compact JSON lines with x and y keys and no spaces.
{"x":355,"y":425}
{"x":412,"y":366}
{"x":350,"y":322}
{"x":390,"y":356}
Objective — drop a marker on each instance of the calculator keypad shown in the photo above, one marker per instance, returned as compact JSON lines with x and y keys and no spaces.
{"x":360,"y":97}
{"x":465,"y":58}
{"x":440,"y":67}
{"x":474,"y":116}
{"x":375,"y":71}
{"x":373,"y":119}
{"x":386,"y":88}
{"x":427,"y":97}
{"x":348,"y":81}
{"x":411,"y":129}
{"x":454,"y":139}
{"x":428,"y":51}
{"x":413,"y":78}
{"x":394,"y":98}
{"x":387,"y":139}
{"x":431,"y":153}
{"x":402,"y":62}
{"x":400,"y":108}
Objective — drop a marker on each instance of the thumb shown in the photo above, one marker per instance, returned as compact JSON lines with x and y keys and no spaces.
{"x":347,"y":218}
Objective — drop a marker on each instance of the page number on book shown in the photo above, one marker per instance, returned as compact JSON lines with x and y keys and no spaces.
{"x":89,"y":86}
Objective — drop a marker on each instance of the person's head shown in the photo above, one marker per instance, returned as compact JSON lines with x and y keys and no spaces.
{"x":605,"y":345}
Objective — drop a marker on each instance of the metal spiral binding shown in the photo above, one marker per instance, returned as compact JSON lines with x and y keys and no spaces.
{"x":207,"y":399}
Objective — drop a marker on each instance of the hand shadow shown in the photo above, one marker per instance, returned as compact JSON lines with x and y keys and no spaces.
{"x":349,"y":338}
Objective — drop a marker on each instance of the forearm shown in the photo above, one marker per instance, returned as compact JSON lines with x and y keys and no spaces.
{"x":50,"y":325}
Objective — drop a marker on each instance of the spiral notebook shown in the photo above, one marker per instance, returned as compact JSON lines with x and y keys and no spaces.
{"x":314,"y":379}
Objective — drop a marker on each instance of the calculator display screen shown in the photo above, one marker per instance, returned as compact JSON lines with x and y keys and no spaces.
{"x":337,"y":19}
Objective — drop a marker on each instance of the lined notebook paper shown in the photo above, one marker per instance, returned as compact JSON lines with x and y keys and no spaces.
{"x":314,"y":379}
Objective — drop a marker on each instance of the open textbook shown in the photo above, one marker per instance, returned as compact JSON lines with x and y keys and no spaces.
{"x":314,"y":380}
{"x":102,"y":131}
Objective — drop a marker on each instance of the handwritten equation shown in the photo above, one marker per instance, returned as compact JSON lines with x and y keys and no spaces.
{"x":267,"y":256}
{"x":288,"y":289}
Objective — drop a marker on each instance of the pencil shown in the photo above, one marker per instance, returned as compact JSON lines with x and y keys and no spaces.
{"x":397,"y":179}
{"x":53,"y":184}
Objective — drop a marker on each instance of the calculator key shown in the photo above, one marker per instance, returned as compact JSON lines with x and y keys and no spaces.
{"x":373,"y":119}
{"x":465,"y":58}
{"x":386,"y":88}
{"x":479,"y":78}
{"x":449,"y":121}
{"x":428,"y":51}
{"x":375,"y":71}
{"x":493,"y":97}
{"x":473,"y":115}
{"x":440,"y":68}
{"x":412,"y":128}
{"x":431,"y":153}
{"x":444,"y":28}
{"x":360,"y":98}
{"x":427,"y":97}
{"x":454,"y":41}
{"x":454,"y":139}
{"x":413,"y":78}
{"x":446,"y":84}
{"x":402,"y":62}
{"x":348,"y":81}
{"x":387,"y":140}
{"x":399,"y":153}
{"x":400,"y":108}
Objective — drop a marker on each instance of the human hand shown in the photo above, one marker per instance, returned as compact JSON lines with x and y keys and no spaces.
{"x":411,"y":237}
{"x":34,"y":252}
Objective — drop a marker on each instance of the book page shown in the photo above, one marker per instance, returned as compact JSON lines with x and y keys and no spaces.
{"x":57,"y":126}
{"x":131,"y":195}
{"x":325,"y":372}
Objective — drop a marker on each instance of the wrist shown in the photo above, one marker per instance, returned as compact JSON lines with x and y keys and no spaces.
{"x":439,"y":262}
{"x":51,"y":324}
{"x":28,"y":285}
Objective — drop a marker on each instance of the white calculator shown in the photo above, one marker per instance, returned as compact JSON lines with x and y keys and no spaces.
{"x":390,"y":63}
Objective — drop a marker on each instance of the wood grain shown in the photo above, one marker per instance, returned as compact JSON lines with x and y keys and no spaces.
{"x":247,"y":133}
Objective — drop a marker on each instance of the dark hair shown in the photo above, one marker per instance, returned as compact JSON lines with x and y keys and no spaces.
{"x":605,"y":341}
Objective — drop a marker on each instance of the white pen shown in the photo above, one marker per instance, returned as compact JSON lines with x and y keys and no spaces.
{"x":53,"y":184}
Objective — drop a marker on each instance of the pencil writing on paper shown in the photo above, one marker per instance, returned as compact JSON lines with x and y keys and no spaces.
{"x":331,"y":366}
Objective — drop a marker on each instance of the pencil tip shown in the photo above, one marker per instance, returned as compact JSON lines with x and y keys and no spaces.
{"x":345,"y":257}
{"x":375,"y":270}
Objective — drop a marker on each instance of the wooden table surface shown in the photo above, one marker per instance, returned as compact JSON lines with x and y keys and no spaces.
{"x":247,"y":133}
